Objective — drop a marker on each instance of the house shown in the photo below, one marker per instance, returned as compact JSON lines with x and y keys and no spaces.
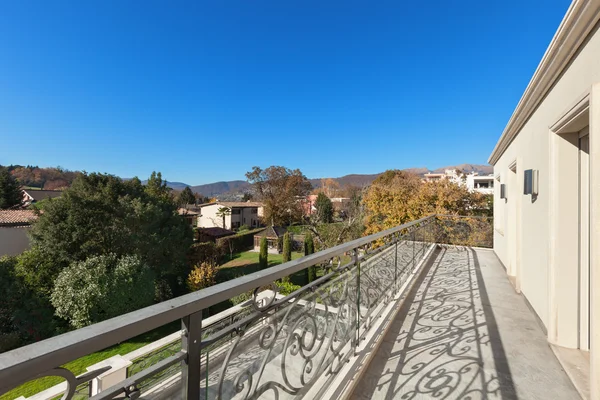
{"x":32,"y":196}
{"x":14,"y":225}
{"x":547,"y":195}
{"x":481,"y":184}
{"x":274,"y":235}
{"x":230,"y":215}
{"x":189,"y":214}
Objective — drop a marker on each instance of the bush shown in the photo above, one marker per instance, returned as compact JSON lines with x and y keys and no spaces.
{"x":263,"y":256}
{"x":102,"y":287}
{"x":207,"y":252}
{"x":309,"y":248}
{"x":287,"y":247}
{"x":202,"y":276}
{"x":239,"y":242}
{"x":286,"y":287}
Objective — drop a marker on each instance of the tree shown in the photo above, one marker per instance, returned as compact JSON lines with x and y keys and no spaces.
{"x":102,"y":287}
{"x":247,"y":196}
{"x":309,"y":248}
{"x":279,"y":189}
{"x":324,"y":208}
{"x":202,"y":276}
{"x":397,"y":197}
{"x":263,"y":255}
{"x":330,"y":187}
{"x":223,"y":212}
{"x":287,"y":247}
{"x":10,"y":191}
{"x":99,"y":215}
{"x":156,"y":186}
{"x":186,"y":196}
{"x":25,"y":316}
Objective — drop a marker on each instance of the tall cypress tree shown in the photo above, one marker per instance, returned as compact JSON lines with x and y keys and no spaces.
{"x":287,"y":247}
{"x":10,"y":191}
{"x":309,"y":248}
{"x":263,"y":255}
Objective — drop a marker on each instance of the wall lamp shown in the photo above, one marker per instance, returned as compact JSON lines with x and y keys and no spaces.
{"x":531,"y":182}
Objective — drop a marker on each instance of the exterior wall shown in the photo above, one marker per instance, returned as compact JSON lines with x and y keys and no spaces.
{"x":208,"y":218}
{"x":13,"y":240}
{"x":523,"y":231}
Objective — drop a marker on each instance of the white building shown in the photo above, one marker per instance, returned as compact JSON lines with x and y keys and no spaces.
{"x":482,"y":184}
{"x":230,"y":215}
{"x":547,"y":195}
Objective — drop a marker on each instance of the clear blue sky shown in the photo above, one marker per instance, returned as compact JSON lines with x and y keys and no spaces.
{"x":204,"y":90}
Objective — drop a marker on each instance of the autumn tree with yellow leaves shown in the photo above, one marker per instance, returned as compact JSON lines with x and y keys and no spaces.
{"x":398,"y":197}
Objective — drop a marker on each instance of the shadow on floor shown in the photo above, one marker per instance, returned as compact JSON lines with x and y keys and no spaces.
{"x":444,"y":343}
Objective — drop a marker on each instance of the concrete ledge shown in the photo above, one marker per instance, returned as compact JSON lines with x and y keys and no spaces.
{"x":576,"y":364}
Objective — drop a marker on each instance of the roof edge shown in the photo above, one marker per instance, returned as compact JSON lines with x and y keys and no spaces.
{"x":577,"y":24}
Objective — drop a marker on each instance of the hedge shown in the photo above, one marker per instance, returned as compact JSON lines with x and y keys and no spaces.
{"x":241,"y":241}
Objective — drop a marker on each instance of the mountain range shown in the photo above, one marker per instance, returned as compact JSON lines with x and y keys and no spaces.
{"x":233,"y":188}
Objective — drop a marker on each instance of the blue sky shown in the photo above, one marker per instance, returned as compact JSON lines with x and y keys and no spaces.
{"x":204,"y":90}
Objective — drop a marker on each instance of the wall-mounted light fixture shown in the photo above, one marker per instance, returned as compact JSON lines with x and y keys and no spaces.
{"x":531,"y":182}
{"x":503,"y":191}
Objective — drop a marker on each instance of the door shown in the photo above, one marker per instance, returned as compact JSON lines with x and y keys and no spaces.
{"x":584,"y":239}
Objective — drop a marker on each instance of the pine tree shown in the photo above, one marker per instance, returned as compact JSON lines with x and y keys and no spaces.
{"x":309,"y":248}
{"x":186,"y":196}
{"x":324,"y":209}
{"x":10,"y":191}
{"x":263,"y":256}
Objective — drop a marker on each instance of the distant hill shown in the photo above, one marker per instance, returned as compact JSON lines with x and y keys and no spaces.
{"x":219,"y":188}
{"x":172,"y":185}
{"x":230,"y":189}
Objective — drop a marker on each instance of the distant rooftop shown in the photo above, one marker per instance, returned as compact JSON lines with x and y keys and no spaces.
{"x":235,"y":204}
{"x":38,"y":195}
{"x":17,"y":217}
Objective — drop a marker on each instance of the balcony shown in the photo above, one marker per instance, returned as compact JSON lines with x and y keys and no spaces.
{"x":422,"y":310}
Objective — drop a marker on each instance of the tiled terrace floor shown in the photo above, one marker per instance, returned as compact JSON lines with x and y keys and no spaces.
{"x":463,"y":333}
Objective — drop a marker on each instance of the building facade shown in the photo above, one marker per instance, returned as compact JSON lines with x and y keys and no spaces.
{"x":230,"y":215}
{"x":547,"y":194}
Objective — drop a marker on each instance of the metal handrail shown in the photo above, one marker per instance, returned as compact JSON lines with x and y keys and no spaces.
{"x":20,"y":365}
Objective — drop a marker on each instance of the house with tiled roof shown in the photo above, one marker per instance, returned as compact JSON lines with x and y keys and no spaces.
{"x":230,"y":215}
{"x":31,"y":196}
{"x":14,"y":225}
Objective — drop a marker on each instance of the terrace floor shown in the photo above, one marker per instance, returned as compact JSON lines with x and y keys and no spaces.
{"x":464,"y":333}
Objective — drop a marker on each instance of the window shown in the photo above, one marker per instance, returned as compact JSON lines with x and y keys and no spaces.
{"x":235,"y":225}
{"x":236,"y":211}
{"x":254,"y":211}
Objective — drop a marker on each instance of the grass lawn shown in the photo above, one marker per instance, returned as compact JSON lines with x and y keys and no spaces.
{"x":78,"y":366}
{"x":246,"y":262}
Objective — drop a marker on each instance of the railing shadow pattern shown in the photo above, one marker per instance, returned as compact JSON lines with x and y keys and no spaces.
{"x":445,"y":342}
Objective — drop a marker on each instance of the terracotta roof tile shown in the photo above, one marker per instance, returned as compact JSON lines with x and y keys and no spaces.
{"x":17,"y":217}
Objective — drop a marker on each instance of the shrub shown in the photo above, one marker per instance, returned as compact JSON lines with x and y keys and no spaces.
{"x":286,"y":287}
{"x":309,"y":248}
{"x":102,"y":287}
{"x":287,"y":247}
{"x":207,"y":252}
{"x":263,"y":256}
{"x":202,"y":276}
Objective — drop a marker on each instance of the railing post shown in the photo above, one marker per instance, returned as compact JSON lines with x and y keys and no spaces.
{"x":190,"y":343}
{"x":357,"y":264}
{"x":396,"y":263}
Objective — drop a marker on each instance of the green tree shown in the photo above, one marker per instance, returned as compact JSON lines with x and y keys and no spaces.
{"x":102,"y":287}
{"x":309,"y":248}
{"x":186,"y":196}
{"x":10,"y":191}
{"x":263,"y":255}
{"x":156,"y":186}
{"x":101,"y":214}
{"x":287,"y":247}
{"x":324,"y":208}
{"x":25,"y":316}
{"x":279,"y":188}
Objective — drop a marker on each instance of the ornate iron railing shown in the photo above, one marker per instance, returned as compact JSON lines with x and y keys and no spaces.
{"x":292,"y":345}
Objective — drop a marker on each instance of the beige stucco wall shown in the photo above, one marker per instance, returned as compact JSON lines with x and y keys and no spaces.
{"x":13,"y":240}
{"x":208,"y":218}
{"x":523,"y":242}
